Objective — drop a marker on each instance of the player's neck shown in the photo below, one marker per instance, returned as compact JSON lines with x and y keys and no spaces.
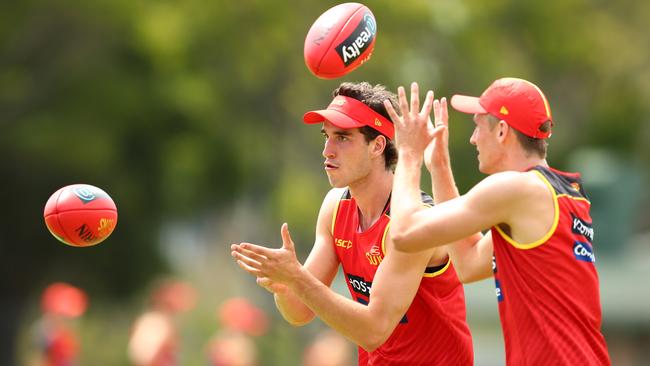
{"x":519,"y":160}
{"x":371,"y":195}
{"x":526,"y":164}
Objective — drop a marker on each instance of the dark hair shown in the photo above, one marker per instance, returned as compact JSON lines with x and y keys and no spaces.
{"x":373,"y":97}
{"x":530,"y":144}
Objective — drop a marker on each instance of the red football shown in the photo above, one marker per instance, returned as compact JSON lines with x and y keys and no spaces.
{"x":80,"y":215}
{"x":340,"y":40}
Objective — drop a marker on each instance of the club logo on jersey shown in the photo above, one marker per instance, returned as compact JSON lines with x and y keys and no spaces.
{"x":374,"y":256}
{"x":498,"y":290}
{"x":583,"y":228}
{"x":360,"y":39}
{"x":359,"y":285}
{"x":346,"y":244}
{"x":584,"y":252}
{"x":575,"y":186}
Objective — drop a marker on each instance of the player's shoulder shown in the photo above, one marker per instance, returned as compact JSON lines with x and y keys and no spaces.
{"x":514,"y":184}
{"x":332,"y":200}
{"x":328,"y":210}
{"x":512,"y":179}
{"x":336,"y":194}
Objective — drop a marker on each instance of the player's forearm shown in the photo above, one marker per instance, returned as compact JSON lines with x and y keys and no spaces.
{"x":463,"y":253}
{"x":406,"y":193}
{"x":443,"y":185}
{"x":471,"y":262}
{"x":292,"y":309}
{"x":351,"y":319}
{"x":406,"y":204}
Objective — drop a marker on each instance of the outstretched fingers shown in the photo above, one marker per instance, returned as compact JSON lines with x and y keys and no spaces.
{"x":252,"y":270}
{"x":257,"y":249}
{"x":415,"y":98}
{"x":441,"y":119}
{"x":436,"y":113}
{"x":441,"y":116}
{"x":392,"y":113}
{"x":250,"y":254}
{"x":246,"y":259}
{"x":287,"y":242}
{"x":402,"y":101}
{"x":444,"y":111}
{"x":428,"y":102}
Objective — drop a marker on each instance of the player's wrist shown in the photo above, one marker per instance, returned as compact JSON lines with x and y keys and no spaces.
{"x":439,"y":164}
{"x":298,"y":279}
{"x":410,"y":155}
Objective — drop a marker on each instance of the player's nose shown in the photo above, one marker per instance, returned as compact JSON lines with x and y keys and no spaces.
{"x":328,"y":150}
{"x":472,"y":139}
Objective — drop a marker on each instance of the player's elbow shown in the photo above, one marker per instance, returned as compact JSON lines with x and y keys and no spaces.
{"x":296,"y":317}
{"x":299,"y":321}
{"x":466,"y":276}
{"x":403,"y":235}
{"x":377,"y":334}
{"x":403,"y":240}
{"x":374,"y":341}
{"x":471,"y":278}
{"x":399,"y":234}
{"x":371,"y":346}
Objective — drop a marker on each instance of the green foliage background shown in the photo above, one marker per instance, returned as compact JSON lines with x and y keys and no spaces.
{"x":190,"y":111}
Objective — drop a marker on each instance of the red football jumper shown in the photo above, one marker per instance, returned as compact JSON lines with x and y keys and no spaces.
{"x":433,"y":331}
{"x":61,"y":347}
{"x":548,"y":295}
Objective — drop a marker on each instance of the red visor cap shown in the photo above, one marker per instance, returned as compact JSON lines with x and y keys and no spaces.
{"x":345,"y":112}
{"x":518,"y":102}
{"x":63,"y":299}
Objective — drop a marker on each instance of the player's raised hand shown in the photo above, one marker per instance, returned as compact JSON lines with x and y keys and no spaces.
{"x":413,"y":129}
{"x":272,"y":266}
{"x":437,"y":152}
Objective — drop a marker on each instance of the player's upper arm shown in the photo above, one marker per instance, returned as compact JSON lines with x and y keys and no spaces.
{"x":322,"y":261}
{"x":489,"y":203}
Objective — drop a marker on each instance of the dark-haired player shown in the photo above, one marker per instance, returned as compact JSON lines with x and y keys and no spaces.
{"x":408,"y":309}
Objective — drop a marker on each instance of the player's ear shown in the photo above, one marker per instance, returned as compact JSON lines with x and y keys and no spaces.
{"x":378,"y":145}
{"x":503,"y":129}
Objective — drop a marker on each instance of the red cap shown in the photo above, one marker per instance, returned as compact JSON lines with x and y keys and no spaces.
{"x":64,"y":299}
{"x":174,"y":296}
{"x":345,"y":112}
{"x":518,"y":102}
{"x":239,"y":314}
